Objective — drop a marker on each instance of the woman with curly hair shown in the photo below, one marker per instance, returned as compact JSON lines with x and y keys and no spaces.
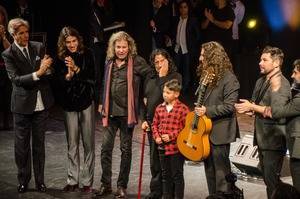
{"x":75,"y":75}
{"x":220,"y":97}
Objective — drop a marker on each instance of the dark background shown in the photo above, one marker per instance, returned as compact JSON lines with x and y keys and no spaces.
{"x":52,"y":15}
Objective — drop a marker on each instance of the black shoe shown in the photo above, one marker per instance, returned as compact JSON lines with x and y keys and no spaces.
{"x":41,"y":187}
{"x":71,"y":188}
{"x":104,"y":190}
{"x":153,"y":195}
{"x":22,"y":188}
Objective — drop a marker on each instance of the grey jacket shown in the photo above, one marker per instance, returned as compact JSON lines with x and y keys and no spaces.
{"x":269,"y":134}
{"x":219,"y":103}
{"x":291,"y":110}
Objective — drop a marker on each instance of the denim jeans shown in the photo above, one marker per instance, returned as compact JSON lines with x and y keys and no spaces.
{"x":172,"y":175}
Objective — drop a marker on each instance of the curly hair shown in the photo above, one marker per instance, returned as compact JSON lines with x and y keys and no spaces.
{"x":62,"y":50}
{"x":165,"y":54}
{"x":118,"y":36}
{"x":215,"y":57}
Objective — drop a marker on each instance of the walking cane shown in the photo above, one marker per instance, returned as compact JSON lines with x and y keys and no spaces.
{"x":141,"y":163}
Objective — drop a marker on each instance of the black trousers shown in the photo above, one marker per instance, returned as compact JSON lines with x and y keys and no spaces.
{"x":217,"y":166}
{"x":155,"y":168}
{"x":109,"y":134}
{"x":26,"y":125}
{"x":295,"y":172}
{"x":271,"y":164}
{"x":172,"y":175}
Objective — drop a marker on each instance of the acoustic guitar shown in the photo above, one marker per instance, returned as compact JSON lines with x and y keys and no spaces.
{"x":193,"y":140}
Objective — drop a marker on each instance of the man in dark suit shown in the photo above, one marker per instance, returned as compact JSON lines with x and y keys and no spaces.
{"x":291,"y":110}
{"x":218,"y":105}
{"x":269,"y":133}
{"x":27,"y":68}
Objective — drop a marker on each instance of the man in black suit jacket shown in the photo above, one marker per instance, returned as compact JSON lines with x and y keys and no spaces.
{"x":269,"y":134}
{"x":218,"y":104}
{"x":27,"y":67}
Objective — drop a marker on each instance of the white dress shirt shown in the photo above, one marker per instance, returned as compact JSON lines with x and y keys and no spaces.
{"x":181,"y":36}
{"x":39,"y":102}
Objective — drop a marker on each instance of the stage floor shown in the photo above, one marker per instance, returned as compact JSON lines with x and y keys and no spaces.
{"x":56,"y":164}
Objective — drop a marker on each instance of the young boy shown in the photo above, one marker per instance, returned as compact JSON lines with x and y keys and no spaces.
{"x":168,"y":121}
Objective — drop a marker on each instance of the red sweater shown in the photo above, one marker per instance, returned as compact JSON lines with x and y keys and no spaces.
{"x":170,"y":123}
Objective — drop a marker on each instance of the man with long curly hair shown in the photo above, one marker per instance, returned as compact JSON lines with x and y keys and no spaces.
{"x":123,"y":73}
{"x":218,"y":105}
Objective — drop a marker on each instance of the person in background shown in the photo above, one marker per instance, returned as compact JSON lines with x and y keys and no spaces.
{"x":168,"y":121}
{"x":27,"y":67}
{"x":218,"y":24}
{"x":5,"y":84}
{"x":100,"y":17}
{"x":159,"y":24}
{"x":218,"y":105}
{"x":161,"y":60}
{"x":186,"y":39}
{"x":239,"y":12}
{"x":75,"y":76}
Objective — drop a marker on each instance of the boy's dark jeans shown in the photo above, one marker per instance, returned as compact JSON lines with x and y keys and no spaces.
{"x":172,"y":175}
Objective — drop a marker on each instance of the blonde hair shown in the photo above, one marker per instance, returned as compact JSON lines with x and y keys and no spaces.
{"x":15,"y":24}
{"x":118,"y":36}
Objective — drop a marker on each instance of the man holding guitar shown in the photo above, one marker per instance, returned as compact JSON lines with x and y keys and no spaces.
{"x":218,"y":105}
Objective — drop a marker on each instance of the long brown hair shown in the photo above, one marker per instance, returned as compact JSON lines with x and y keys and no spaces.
{"x":61,"y":43}
{"x":215,"y":57}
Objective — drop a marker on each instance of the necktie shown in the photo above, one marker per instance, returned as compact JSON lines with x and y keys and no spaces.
{"x":26,"y":54}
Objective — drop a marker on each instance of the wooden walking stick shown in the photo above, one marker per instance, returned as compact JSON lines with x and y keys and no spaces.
{"x":141,"y":163}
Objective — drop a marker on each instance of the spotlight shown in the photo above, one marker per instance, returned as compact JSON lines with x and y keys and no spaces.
{"x":251,"y":24}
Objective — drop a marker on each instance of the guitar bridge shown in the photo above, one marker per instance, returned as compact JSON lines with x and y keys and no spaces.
{"x":189,"y":145}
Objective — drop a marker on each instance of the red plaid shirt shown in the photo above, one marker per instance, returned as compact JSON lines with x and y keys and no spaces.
{"x":170,"y":123}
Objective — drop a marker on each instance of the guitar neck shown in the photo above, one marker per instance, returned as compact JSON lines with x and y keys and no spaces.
{"x":199,"y":103}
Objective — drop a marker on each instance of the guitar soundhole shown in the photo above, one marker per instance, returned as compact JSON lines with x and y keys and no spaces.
{"x":189,"y":145}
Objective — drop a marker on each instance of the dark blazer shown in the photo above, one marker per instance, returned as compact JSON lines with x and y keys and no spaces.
{"x":219,"y":103}
{"x":76,"y":94}
{"x":291,"y":110}
{"x":153,"y":91}
{"x":270,"y":133}
{"x":25,"y":89}
{"x":192,"y":34}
